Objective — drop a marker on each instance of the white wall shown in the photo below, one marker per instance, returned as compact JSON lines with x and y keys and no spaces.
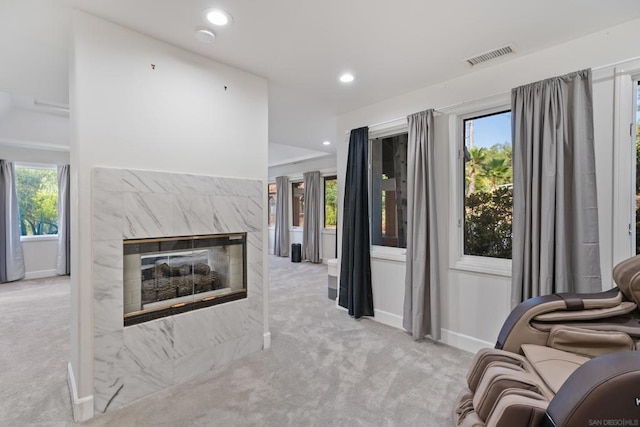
{"x":474,"y":305}
{"x":40,"y":256}
{"x":28,"y":127}
{"x":387,"y":276}
{"x":177,"y":117}
{"x":328,"y":244}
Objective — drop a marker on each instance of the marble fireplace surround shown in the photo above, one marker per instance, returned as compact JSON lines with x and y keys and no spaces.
{"x":133,"y":362}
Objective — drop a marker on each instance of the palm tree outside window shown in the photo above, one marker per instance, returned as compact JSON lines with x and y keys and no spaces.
{"x":488,"y":181}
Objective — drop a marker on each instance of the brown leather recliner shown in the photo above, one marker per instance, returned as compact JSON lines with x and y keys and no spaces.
{"x":562,"y":360}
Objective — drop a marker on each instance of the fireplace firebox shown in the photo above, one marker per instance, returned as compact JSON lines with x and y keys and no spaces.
{"x":167,"y":276}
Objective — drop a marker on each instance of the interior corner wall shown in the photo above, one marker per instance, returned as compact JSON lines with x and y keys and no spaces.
{"x":139,"y":103}
{"x":474,"y":305}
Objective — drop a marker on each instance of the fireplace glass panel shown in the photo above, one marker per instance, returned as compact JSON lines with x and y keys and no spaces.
{"x":172,"y":275}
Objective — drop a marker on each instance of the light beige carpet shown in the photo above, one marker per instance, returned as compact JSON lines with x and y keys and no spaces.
{"x":34,"y":352}
{"x":323,"y":369}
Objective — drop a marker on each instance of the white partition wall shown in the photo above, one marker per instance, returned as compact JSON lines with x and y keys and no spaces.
{"x":185,"y":115}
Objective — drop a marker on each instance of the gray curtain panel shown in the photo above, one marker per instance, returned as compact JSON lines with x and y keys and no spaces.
{"x":422,"y":295}
{"x":63,"y":265}
{"x":356,"y":294}
{"x":312,"y":217}
{"x":11,"y":257}
{"x":281,"y":247}
{"x":555,"y":213}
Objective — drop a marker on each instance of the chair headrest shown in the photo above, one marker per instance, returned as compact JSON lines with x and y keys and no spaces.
{"x":626,"y":274}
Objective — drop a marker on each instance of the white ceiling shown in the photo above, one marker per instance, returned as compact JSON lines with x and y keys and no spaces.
{"x":301,"y":46}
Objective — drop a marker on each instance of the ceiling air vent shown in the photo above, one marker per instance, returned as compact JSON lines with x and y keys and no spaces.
{"x":493,"y":54}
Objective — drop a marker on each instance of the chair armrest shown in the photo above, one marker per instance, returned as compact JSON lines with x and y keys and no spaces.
{"x":588,"y":342}
{"x":604,"y":388}
{"x":587,"y":314}
{"x":517,"y":329}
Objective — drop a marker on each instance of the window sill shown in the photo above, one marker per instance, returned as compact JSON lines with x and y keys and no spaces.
{"x":329,"y":231}
{"x":389,"y":254}
{"x":42,"y":238}
{"x":485,"y":265}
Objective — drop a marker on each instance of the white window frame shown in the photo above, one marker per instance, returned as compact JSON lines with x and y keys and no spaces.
{"x":293,"y":180}
{"x":327,"y":231}
{"x":626,"y":77}
{"x":632,"y":176}
{"x":323,"y":177}
{"x":24,"y":165}
{"x":457,"y":259}
{"x":40,"y":238}
{"x":383,"y":131}
{"x":271,"y":227}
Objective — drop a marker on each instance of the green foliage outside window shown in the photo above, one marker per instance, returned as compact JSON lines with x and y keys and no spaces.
{"x":37,"y":191}
{"x":330,"y":203}
{"x":487,"y":223}
{"x":488,"y":205}
{"x":488,"y":168}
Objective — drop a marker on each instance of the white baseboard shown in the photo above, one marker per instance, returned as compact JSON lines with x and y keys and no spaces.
{"x":454,"y":339}
{"x":387,"y":318}
{"x":82,"y":407}
{"x":381,"y":316}
{"x":266,"y":340}
{"x":39,"y":274}
{"x":464,"y":342}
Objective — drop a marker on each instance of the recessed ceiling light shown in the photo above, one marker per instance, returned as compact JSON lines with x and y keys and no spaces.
{"x":326,"y":143}
{"x":205,"y":35}
{"x":217,"y":17}
{"x":346,"y":78}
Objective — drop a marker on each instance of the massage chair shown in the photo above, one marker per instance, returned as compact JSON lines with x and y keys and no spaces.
{"x":561,"y":360}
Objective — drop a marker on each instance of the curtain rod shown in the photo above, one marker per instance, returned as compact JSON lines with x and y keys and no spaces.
{"x":438,"y":110}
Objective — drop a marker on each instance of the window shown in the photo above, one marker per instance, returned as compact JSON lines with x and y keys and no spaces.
{"x":37,"y":190}
{"x":388,"y":191}
{"x":272,"y":205}
{"x":625,"y":194}
{"x":637,"y":183}
{"x":488,"y":185}
{"x":330,"y":202}
{"x":297,"y":198}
